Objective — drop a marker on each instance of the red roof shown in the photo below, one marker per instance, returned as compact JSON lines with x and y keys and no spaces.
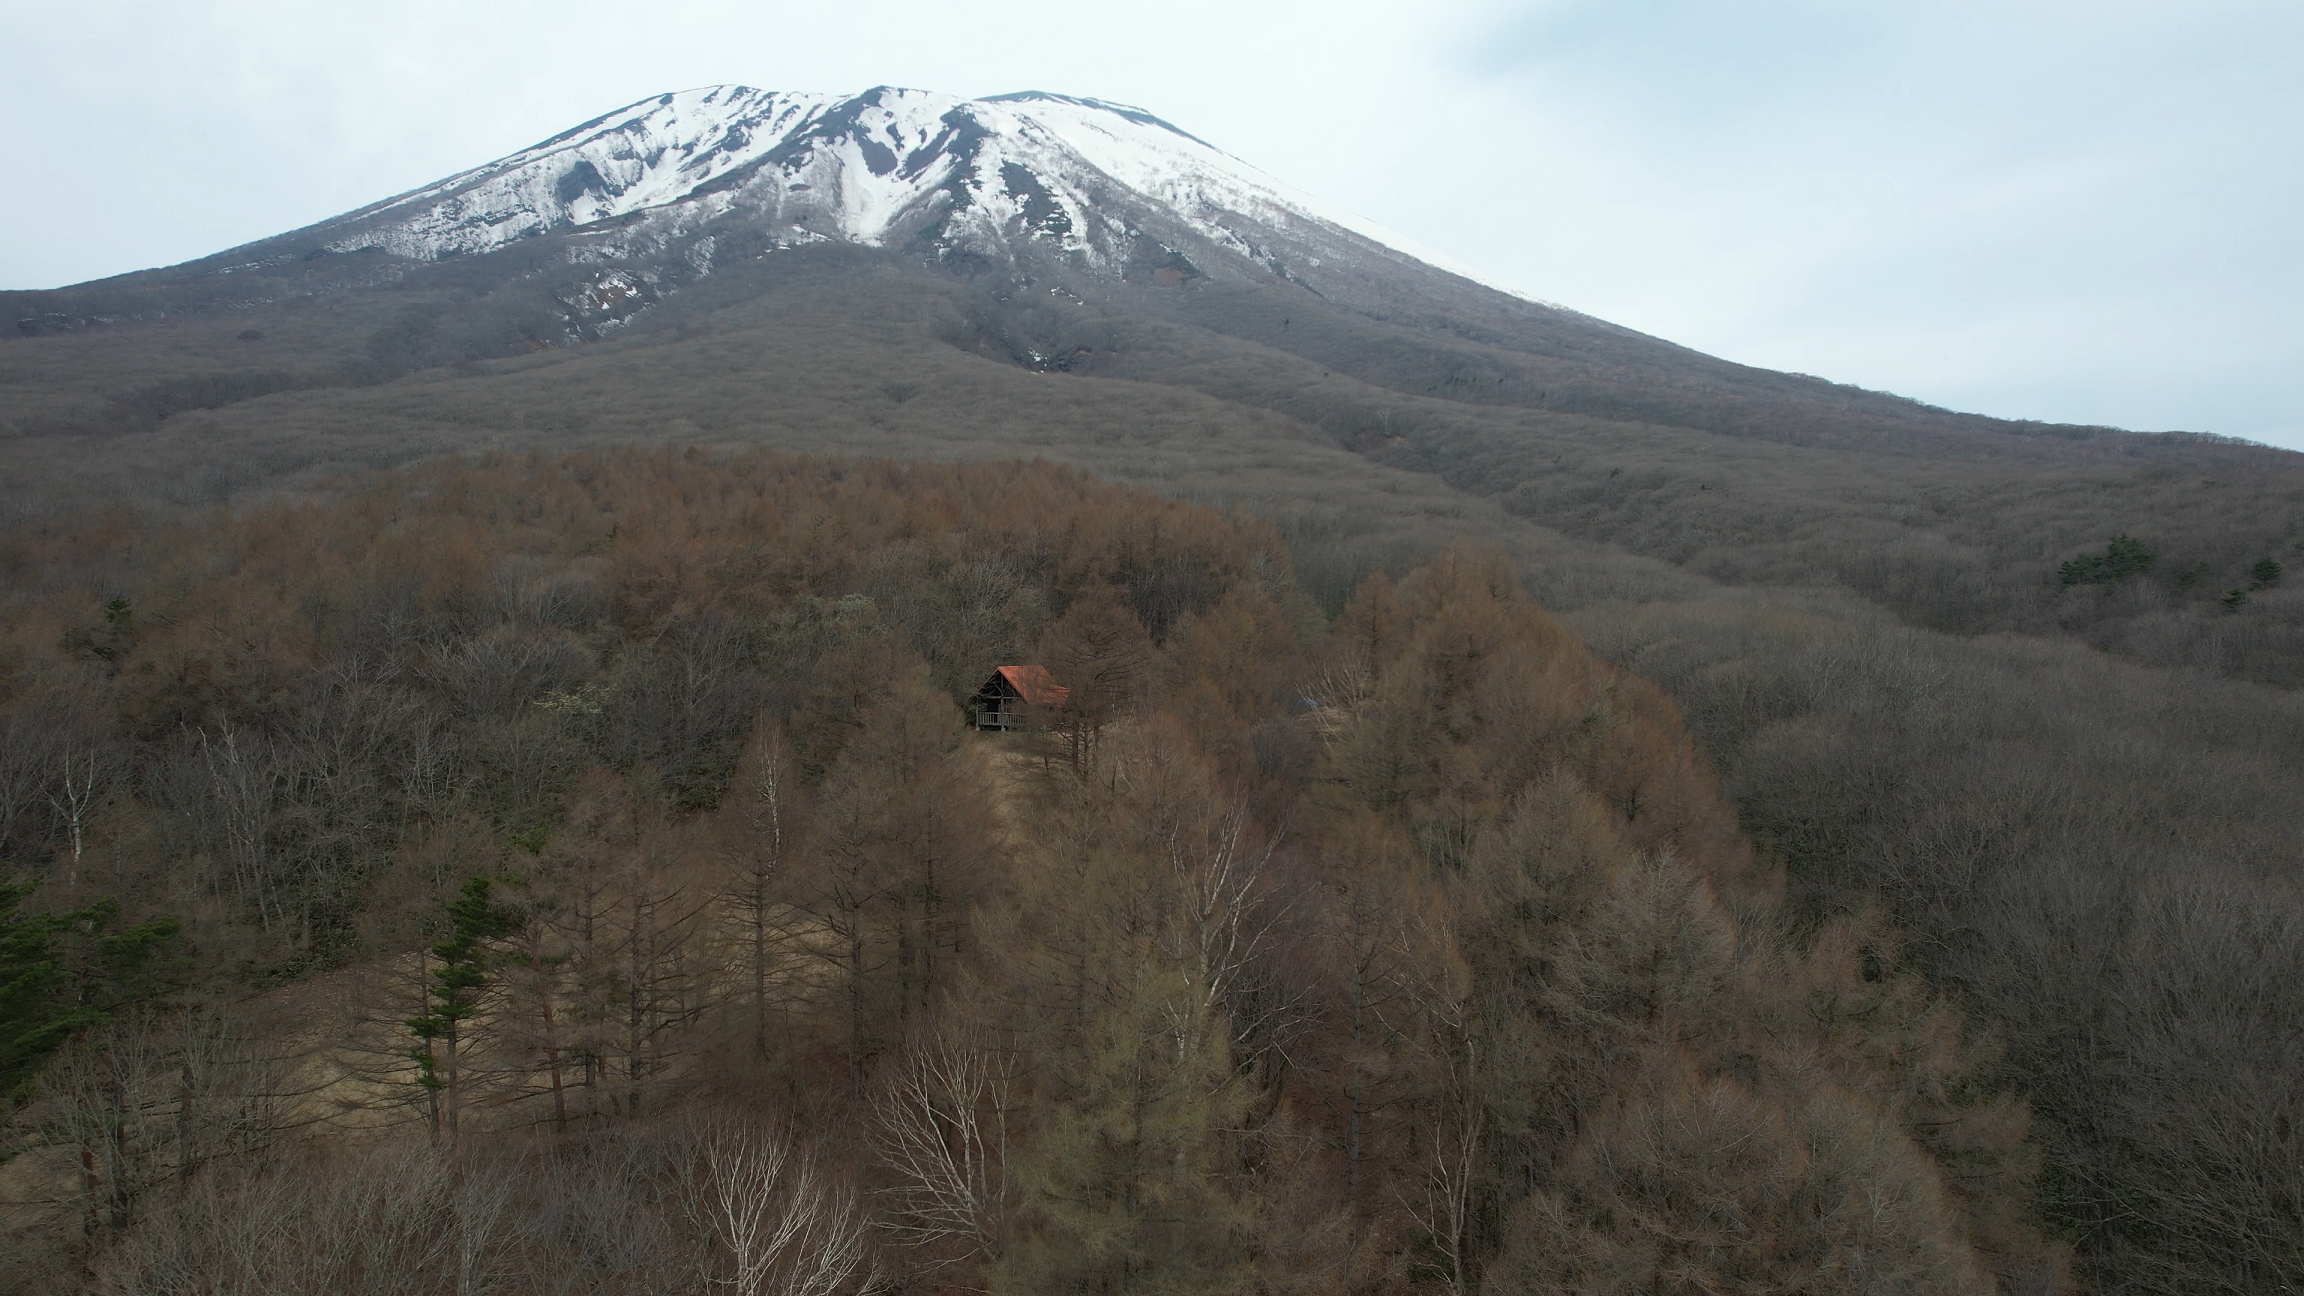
{"x":1034,"y":684}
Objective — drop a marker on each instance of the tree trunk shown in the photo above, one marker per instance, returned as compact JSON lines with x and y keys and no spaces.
{"x":187,"y":1115}
{"x":451,"y":1084}
{"x":856,"y":1008}
{"x":759,"y":904}
{"x":552,"y":1064}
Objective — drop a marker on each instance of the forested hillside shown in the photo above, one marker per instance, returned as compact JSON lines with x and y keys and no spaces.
{"x":1953,"y":522}
{"x":576,"y":873}
{"x":2015,"y":703}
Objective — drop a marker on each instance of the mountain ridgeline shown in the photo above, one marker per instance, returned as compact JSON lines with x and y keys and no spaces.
{"x":2004,"y":714}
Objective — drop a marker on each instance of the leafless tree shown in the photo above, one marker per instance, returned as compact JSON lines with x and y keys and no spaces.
{"x":758,"y":867}
{"x":240,"y":1089}
{"x":1435,"y":990}
{"x":777,"y":1219}
{"x":395,"y":1220}
{"x":536,"y":1026}
{"x":1444,"y":1210}
{"x":1222,"y":869}
{"x":155,"y":1098}
{"x":656,"y":978}
{"x":81,"y":783}
{"x":244,"y":777}
{"x":943,"y":1133}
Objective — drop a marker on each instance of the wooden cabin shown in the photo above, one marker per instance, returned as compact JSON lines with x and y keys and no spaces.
{"x":1011,"y":693}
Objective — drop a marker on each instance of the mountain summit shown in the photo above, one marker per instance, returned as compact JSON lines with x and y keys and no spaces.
{"x":1027,"y":179}
{"x":1042,"y":231}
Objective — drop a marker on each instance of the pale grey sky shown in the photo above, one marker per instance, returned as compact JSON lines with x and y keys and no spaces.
{"x":2084,"y":212}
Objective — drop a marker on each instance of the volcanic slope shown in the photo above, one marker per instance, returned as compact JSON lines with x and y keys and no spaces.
{"x":2082,"y":799}
{"x":789,"y":261}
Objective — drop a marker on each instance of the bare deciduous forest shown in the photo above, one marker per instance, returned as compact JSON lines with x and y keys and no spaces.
{"x":1364,"y":927}
{"x":588,"y":857}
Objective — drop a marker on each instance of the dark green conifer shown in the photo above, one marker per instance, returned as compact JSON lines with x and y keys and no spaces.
{"x":2124,"y":556}
{"x":458,"y":986}
{"x":49,"y":992}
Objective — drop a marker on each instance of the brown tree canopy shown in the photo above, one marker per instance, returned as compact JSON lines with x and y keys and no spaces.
{"x":1417,"y":949}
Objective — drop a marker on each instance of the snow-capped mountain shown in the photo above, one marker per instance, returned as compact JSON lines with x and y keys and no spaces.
{"x":1099,"y":187}
{"x":1053,"y":210}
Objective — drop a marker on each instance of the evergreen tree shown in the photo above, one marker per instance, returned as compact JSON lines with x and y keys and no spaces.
{"x":457,"y":991}
{"x":2123,"y":557}
{"x":50,"y":992}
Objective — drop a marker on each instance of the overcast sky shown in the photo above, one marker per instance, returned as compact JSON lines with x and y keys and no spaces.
{"x":2078,"y":211}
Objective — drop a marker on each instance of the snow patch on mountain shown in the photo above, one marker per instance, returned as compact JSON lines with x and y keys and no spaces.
{"x":975,"y":174}
{"x":1198,"y":180}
